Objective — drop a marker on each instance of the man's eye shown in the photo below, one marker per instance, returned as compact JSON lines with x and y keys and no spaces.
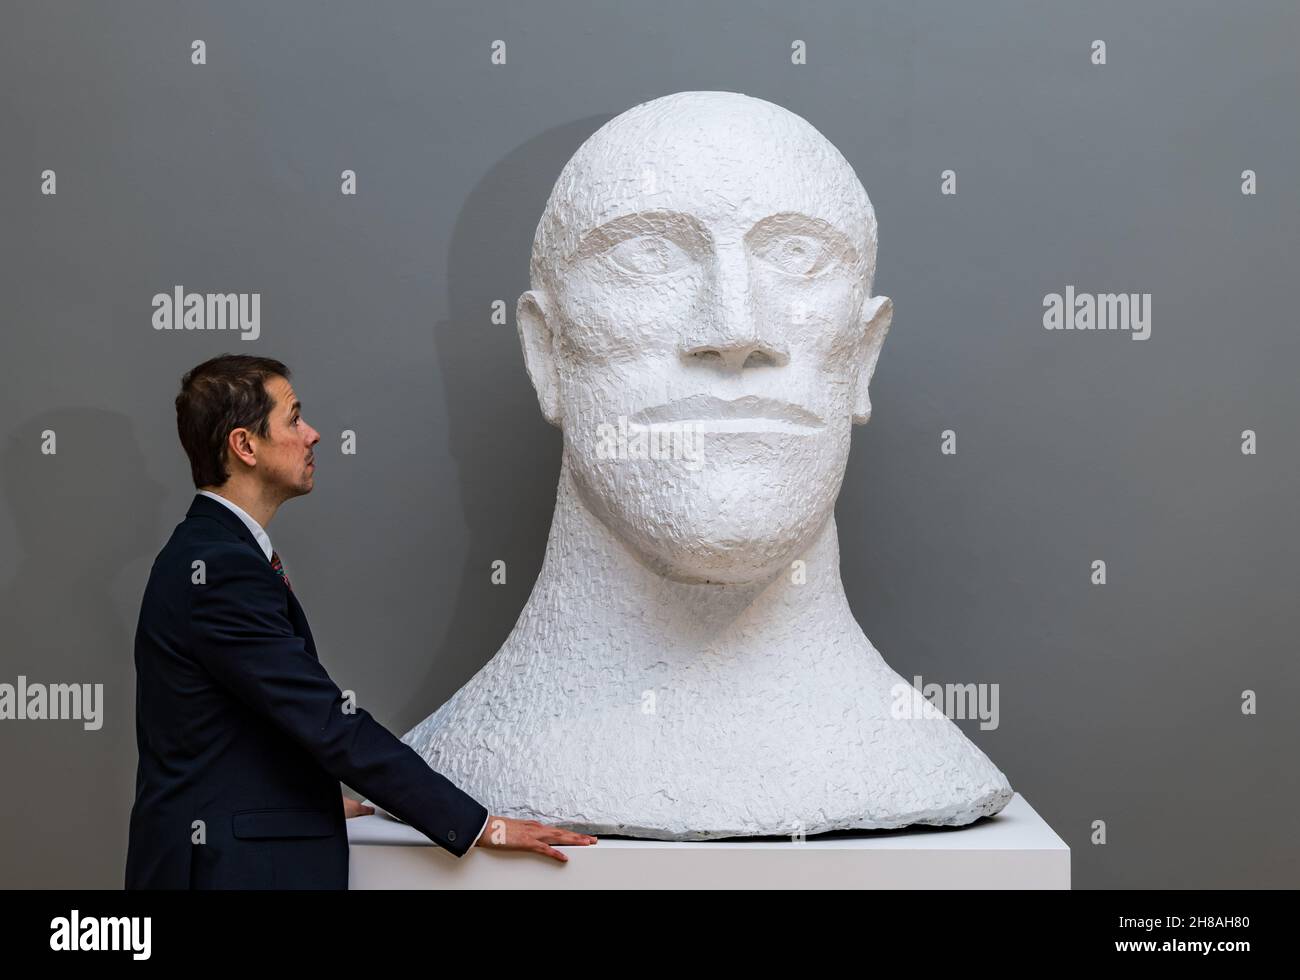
{"x":799,"y":255}
{"x":648,"y":255}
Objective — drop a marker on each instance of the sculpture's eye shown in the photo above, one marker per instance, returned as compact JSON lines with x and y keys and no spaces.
{"x":648,"y":255}
{"x":799,"y":255}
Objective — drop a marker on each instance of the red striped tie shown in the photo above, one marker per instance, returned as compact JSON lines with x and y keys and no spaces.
{"x":279,"y":568}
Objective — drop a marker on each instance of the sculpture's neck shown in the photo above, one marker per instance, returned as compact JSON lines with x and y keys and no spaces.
{"x":594,"y":592}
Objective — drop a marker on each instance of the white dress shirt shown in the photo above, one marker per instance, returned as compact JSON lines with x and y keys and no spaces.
{"x":265,"y":541}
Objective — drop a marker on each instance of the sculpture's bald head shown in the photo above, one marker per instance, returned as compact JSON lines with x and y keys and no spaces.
{"x":728,"y":159}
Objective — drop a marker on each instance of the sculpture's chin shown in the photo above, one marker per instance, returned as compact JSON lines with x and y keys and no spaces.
{"x":688,"y":541}
{"x":734,"y":561}
{"x":719,"y":523}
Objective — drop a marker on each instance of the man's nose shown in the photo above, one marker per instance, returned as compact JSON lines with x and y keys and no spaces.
{"x":729,"y":336}
{"x":313,"y":438}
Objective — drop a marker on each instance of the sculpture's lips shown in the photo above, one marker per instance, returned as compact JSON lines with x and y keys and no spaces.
{"x":750,"y":413}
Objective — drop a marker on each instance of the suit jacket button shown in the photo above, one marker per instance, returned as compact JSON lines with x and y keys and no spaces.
{"x":451,"y":835}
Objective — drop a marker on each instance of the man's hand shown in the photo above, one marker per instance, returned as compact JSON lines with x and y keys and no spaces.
{"x":529,"y":835}
{"x":354,"y":808}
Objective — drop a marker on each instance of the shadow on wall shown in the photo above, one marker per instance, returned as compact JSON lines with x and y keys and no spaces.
{"x":506,"y":454}
{"x":80,"y":516}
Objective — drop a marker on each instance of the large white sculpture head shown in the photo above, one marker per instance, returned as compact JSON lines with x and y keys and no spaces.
{"x":704,"y":264}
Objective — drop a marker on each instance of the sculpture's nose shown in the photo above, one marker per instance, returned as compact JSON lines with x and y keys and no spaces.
{"x":729,"y":336}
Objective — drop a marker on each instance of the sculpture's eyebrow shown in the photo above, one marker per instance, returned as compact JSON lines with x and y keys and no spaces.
{"x":687,"y":226}
{"x":796,"y":222}
{"x":626,"y":226}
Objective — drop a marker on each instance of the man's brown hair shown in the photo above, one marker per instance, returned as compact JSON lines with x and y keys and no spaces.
{"x":217,"y":397}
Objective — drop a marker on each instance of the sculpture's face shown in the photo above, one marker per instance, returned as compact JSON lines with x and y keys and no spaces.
{"x":702,"y":330}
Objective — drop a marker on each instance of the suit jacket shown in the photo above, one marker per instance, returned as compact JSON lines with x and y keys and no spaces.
{"x":239,"y":726}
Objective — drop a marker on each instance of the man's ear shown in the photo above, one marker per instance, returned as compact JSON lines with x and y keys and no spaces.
{"x":878,"y":312}
{"x":239,"y":446}
{"x":538,"y":341}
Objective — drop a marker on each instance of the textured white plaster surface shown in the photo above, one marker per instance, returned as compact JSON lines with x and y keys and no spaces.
{"x":687,"y":666}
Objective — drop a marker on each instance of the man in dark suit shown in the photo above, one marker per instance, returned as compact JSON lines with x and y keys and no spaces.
{"x":243,"y":738}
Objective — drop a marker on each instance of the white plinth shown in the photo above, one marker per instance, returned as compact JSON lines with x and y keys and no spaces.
{"x":1015,"y":849}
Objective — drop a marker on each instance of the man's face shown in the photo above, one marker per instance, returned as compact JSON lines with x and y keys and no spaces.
{"x":284,"y":456}
{"x":715,"y":296}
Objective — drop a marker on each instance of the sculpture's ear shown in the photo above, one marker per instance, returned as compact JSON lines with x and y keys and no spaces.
{"x":538,"y":341}
{"x":878,"y":312}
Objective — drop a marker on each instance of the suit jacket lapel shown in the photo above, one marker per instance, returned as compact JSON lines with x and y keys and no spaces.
{"x":207,"y":507}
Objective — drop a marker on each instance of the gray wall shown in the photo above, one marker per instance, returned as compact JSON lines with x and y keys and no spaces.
{"x":1118,"y":703}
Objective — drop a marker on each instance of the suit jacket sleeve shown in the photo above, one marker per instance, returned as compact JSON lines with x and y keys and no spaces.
{"x":241,"y":633}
